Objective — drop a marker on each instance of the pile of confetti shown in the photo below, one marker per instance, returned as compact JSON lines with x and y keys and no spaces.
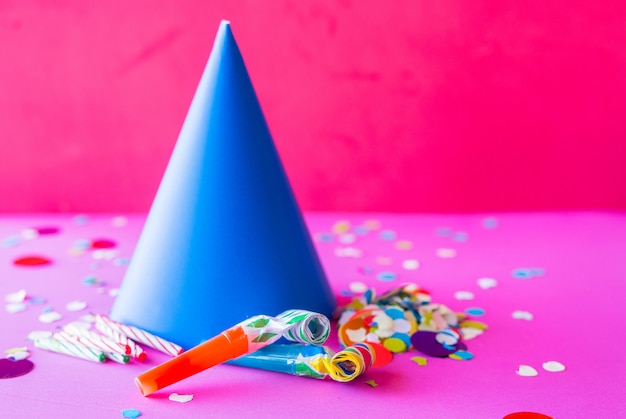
{"x":405,"y":318}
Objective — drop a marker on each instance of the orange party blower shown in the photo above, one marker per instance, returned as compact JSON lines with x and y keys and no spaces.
{"x":246,"y":337}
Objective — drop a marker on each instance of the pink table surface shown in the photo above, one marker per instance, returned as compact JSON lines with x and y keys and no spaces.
{"x":577,"y":307}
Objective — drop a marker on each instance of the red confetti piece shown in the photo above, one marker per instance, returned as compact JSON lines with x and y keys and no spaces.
{"x":32,"y":261}
{"x":45,"y":231}
{"x":527,"y":415}
{"x":103,"y":244}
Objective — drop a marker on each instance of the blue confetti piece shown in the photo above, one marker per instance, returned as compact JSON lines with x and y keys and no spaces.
{"x":490,"y":223}
{"x":47,"y":309}
{"x":522,"y":273}
{"x":387,"y":235}
{"x":325,"y":237}
{"x":460,"y":236}
{"x":462,"y":355}
{"x":360,"y":230}
{"x":81,"y":220}
{"x":36,"y":300}
{"x":131,"y":413}
{"x":366,"y":270}
{"x":475,"y":311}
{"x":444,"y":232}
{"x":82,"y":244}
{"x":121,"y":261}
{"x":346,"y":293}
{"x":11,"y":241}
{"x":395,"y":313}
{"x":537,"y":271}
{"x":386,"y":276}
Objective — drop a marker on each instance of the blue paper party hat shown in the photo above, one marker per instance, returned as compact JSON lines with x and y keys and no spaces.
{"x":224,"y":239}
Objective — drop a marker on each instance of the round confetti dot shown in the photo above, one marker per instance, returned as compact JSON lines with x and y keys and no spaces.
{"x":395,"y":345}
{"x":383,"y":355}
{"x":131,"y":413}
{"x":446,"y":253}
{"x":386,"y":276}
{"x":119,"y":221}
{"x":426,"y":342}
{"x":360,"y":230}
{"x":76,"y":305}
{"x":490,"y":223}
{"x":410,"y":264}
{"x":347,"y":238}
{"x":32,"y":261}
{"x":383,"y":260}
{"x":444,"y":232}
{"x":461,"y":355}
{"x":420,"y":360}
{"x":358,"y":287}
{"x":522,"y":273}
{"x":475,"y":311}
{"x":16,"y":297}
{"x":522,"y":315}
{"x":11,"y":241}
{"x":527,"y":415}
{"x":102,"y":244}
{"x":486,"y":283}
{"x":464,"y":295}
{"x":13,"y":308}
{"x":81,"y":220}
{"x":460,"y":236}
{"x":395,"y":313}
{"x":372,"y":224}
{"x":12,"y":369}
{"x":324,"y":237}
{"x":474,"y":324}
{"x":526,"y":371}
{"x":341,"y":227}
{"x":387,"y":235}
{"x":50,"y":317}
{"x":553,"y":366}
{"x":30,"y":234}
{"x":404,"y":245}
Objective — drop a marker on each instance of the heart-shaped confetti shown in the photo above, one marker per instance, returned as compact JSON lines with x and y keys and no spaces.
{"x":553,"y":366}
{"x":486,"y":283}
{"x":526,"y":371}
{"x":181,"y":398}
{"x":12,"y":369}
{"x":522,"y":315}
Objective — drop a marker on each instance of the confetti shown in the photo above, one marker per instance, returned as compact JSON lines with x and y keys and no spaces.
{"x":347,"y":238}
{"x":76,"y":305}
{"x":490,"y":223}
{"x":29,"y":234}
{"x":387,"y":235}
{"x":486,"y":283}
{"x":446,"y":253}
{"x":460,"y":236}
{"x":360,"y":230}
{"x":371,"y":383}
{"x":119,"y":221}
{"x":81,"y":220}
{"x":553,"y":366}
{"x":426,"y":342}
{"x":475,"y":311}
{"x":461,"y":355}
{"x":181,"y":398}
{"x":372,"y":224}
{"x":527,"y":415}
{"x":386,"y":276}
{"x":13,"y":308}
{"x":420,"y":360}
{"x":464,"y":295}
{"x":12,"y":369}
{"x":39,"y":334}
{"x":131,"y":413}
{"x":15,"y":350}
{"x":11,"y":241}
{"x":404,"y":245}
{"x":18,"y":356}
{"x":324,"y":237}
{"x":410,"y":264}
{"x":526,"y":371}
{"x":348,"y":252}
{"x":384,"y":260}
{"x":50,"y":317}
{"x":340,"y":227}
{"x":32,"y":261}
{"x":358,"y":287}
{"x":16,"y":297}
{"x":47,"y":231}
{"x":522,"y":315}
{"x":102,"y":244}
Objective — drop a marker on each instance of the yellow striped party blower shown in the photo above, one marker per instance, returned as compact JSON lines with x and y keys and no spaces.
{"x":243,"y":338}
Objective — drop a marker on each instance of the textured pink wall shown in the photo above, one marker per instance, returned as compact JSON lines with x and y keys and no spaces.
{"x":395,"y":106}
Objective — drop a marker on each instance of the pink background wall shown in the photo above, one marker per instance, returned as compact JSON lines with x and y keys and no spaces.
{"x":387,"y":106}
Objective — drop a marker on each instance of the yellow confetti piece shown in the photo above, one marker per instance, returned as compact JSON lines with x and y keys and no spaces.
{"x":395,"y":345}
{"x":404,"y":245}
{"x":473,"y":324}
{"x":420,"y":360}
{"x":15,"y":350}
{"x":372,"y":224}
{"x":341,"y":227}
{"x":371,"y":383}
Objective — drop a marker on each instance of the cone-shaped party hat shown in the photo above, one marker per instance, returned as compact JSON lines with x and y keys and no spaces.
{"x":224,"y":239}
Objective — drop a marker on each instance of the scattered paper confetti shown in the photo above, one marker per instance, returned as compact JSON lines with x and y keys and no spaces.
{"x":102,"y":244}
{"x":13,"y":308}
{"x":410,"y":264}
{"x":460,"y":236}
{"x":386,"y":276}
{"x":522,"y":315}
{"x":526,"y":371}
{"x":348,"y":252}
{"x":76,"y":305}
{"x":358,"y":287}
{"x":490,"y":223}
{"x":50,"y":317}
{"x":553,"y":366}
{"x":475,"y":311}
{"x":11,"y":369}
{"x":131,"y":413}
{"x":324,"y":237}
{"x":404,"y":245}
{"x":119,"y":221}
{"x":527,"y":415}
{"x":15,"y":350}
{"x":420,"y":360}
{"x":341,"y":227}
{"x":461,"y":355}
{"x":464,"y":295}
{"x":39,"y":334}
{"x":486,"y":283}
{"x":29,"y":234}
{"x":81,"y":220}
{"x":113,"y":292}
{"x":16,"y":297}
{"x":371,"y":383}
{"x":446,"y":253}
{"x":387,"y":235}
{"x":181,"y":398}
{"x":384,"y":260}
{"x":18,"y":356}
{"x":372,"y":224}
{"x":47,"y":231}
{"x":347,"y":238}
{"x":32,"y":261}
{"x":527,"y":273}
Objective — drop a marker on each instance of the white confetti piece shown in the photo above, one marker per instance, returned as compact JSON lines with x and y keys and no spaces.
{"x":348,"y":252}
{"x":49,"y":317}
{"x":358,"y":287}
{"x":104,"y":254}
{"x":30,"y":234}
{"x":14,"y":350}
{"x":13,"y":308}
{"x":446,"y":253}
{"x":356,"y":335}
{"x":486,"y":283}
{"x":16,"y":297}
{"x":181,"y":398}
{"x":347,"y":238}
{"x":113,"y":292}
{"x":522,"y":315}
{"x":39,"y":334}
{"x":464,"y":295}
{"x":526,"y":371}
{"x":470,"y":332}
{"x":553,"y":366}
{"x":410,"y":264}
{"x":76,"y":305}
{"x":119,"y":221}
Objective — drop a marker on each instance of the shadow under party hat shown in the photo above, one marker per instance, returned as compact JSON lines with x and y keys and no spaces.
{"x":224,"y":239}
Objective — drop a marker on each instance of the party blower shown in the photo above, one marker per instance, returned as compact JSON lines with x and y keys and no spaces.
{"x":246,"y":337}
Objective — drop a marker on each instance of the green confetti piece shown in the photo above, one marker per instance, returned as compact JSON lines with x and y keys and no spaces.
{"x":258,"y":323}
{"x":264,"y":337}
